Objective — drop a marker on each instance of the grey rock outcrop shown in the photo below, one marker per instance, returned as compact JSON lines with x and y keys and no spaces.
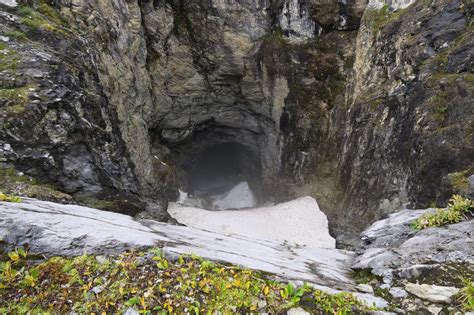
{"x":363,"y":111}
{"x":9,"y":3}
{"x":392,"y":248}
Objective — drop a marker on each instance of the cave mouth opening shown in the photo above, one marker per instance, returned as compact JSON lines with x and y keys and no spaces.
{"x":217,"y":169}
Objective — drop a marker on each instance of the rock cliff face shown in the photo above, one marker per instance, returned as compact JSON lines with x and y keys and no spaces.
{"x":364,"y":111}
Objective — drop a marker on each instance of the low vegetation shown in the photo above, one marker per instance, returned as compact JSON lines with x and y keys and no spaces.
{"x":378,"y":18}
{"x":14,"y":183}
{"x":34,"y":19}
{"x":466,"y":296}
{"x":18,"y":35}
{"x":151,"y":284}
{"x":15,"y":99}
{"x":458,"y":209}
{"x":460,"y":180}
{"x":9,"y":59}
{"x":10,"y":198}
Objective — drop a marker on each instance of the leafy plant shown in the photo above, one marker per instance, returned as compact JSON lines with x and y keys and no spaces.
{"x":293,"y":294}
{"x":10,"y":198}
{"x":458,"y":209}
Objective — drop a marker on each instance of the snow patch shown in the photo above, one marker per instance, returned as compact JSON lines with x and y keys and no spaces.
{"x":299,"y":221}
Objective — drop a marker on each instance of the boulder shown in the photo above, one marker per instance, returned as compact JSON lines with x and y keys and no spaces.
{"x":391,"y":246}
{"x":9,"y":3}
{"x":239,"y":197}
{"x":397,"y":292}
{"x":432,"y":293}
{"x":366,"y":288}
{"x":297,"y":311}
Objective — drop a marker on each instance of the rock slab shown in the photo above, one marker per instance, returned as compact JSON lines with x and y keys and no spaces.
{"x":432,"y":293}
{"x":391,"y":246}
{"x":57,"y":229}
{"x":239,"y":197}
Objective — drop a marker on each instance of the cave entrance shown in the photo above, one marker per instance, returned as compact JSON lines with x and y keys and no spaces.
{"x":221,"y":168}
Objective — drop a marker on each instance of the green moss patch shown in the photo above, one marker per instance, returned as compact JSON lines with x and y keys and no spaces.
{"x":459,"y":209}
{"x":34,"y":19}
{"x":16,"y":99}
{"x":365,"y":276}
{"x":378,"y":18}
{"x":9,"y":58}
{"x":460,"y":180}
{"x":18,"y":35}
{"x":451,"y":274}
{"x":151,"y":284}
{"x":41,"y":17}
{"x":22,"y":185}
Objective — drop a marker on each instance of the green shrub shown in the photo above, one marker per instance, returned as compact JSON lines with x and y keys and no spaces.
{"x":458,"y":209}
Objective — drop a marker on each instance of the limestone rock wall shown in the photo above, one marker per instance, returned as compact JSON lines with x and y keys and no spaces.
{"x":363,"y":113}
{"x":408,"y":134}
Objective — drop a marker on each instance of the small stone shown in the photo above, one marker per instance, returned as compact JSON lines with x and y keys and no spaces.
{"x":297,"y":311}
{"x":365,"y":288}
{"x":97,"y":289}
{"x":4,"y":39}
{"x":435,"y":310}
{"x":471,"y":184}
{"x":7,"y":147}
{"x":398,"y":292}
{"x":131,"y":311}
{"x":101,"y":259}
{"x":385,"y":286}
{"x":432,"y":293}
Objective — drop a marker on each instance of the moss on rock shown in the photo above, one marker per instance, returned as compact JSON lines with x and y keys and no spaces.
{"x":460,"y":180}
{"x":12,"y":182}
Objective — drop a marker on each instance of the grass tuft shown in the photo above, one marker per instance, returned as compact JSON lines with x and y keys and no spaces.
{"x":466,"y":296}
